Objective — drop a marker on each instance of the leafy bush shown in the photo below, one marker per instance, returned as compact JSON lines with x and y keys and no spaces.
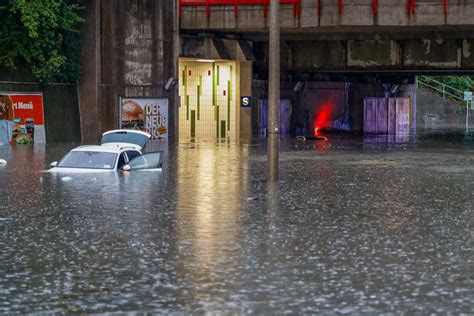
{"x":463,"y":83}
{"x":44,"y":34}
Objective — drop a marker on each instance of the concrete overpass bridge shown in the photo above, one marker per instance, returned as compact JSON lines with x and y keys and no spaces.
{"x":342,"y":50}
{"x":341,"y":35}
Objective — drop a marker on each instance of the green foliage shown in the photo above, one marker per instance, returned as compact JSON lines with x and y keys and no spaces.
{"x":42,"y":33}
{"x":463,"y":83}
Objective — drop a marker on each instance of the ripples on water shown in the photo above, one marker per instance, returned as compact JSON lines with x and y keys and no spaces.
{"x":353,"y":227}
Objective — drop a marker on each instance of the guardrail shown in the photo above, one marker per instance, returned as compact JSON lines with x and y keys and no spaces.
{"x":447,"y":92}
{"x":410,"y":5}
{"x":442,"y":89}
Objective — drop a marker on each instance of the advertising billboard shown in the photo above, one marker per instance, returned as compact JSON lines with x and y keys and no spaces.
{"x":21,"y":118}
{"x":146,"y":114}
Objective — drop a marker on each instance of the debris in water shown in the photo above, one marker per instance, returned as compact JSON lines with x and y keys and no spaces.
{"x":66,"y":179}
{"x":3,"y":162}
{"x":252,"y":198}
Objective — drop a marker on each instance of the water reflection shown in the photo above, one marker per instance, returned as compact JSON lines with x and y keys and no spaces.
{"x":20,"y":186}
{"x":350,"y":228}
{"x":209,"y":198}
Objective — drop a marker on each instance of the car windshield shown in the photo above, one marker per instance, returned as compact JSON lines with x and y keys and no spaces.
{"x":88,"y":159}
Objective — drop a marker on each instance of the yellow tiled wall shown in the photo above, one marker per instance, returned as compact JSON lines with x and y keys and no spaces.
{"x":208,"y":98}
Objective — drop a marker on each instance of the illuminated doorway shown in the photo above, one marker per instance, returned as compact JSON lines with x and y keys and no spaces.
{"x":207,"y":89}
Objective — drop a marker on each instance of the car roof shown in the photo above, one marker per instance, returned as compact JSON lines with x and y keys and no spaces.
{"x":115,"y":148}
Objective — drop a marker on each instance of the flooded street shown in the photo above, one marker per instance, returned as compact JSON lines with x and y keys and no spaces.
{"x":354,"y":227}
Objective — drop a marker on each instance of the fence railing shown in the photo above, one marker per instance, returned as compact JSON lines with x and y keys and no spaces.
{"x":410,"y":5}
{"x":447,"y":92}
{"x":441,"y":89}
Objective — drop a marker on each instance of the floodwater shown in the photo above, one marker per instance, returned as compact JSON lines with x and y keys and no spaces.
{"x":354,"y":227}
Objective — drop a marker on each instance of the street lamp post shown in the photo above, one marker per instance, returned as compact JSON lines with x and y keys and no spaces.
{"x":273,"y":91}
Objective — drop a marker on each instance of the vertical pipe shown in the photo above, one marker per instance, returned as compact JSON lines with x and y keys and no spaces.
{"x":445,"y":5}
{"x":467,"y":116}
{"x":273,"y":92}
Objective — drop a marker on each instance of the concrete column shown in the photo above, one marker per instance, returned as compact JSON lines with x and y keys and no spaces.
{"x":274,"y":92}
{"x":174,"y":113}
{"x":245,"y":89}
{"x":90,"y":59}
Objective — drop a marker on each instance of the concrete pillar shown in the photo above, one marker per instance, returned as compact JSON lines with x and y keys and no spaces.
{"x":174,"y":112}
{"x":274,"y":92}
{"x":89,"y":112}
{"x":245,"y":82}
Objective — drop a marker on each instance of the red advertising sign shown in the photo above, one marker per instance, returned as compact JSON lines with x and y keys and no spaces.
{"x":22,"y":118}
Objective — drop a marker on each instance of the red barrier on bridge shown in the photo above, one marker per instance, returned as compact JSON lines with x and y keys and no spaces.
{"x":296,"y":5}
{"x":236,"y":3}
{"x":410,"y":7}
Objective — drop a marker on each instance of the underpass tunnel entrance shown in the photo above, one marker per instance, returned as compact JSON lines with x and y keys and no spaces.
{"x":393,"y":109}
{"x":347,"y":107}
{"x":208,"y":108}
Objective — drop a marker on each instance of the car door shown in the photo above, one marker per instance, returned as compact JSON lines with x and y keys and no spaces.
{"x":147,"y":161}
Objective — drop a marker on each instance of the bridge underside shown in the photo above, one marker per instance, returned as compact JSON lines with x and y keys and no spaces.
{"x":344,"y":35}
{"x":300,"y":55}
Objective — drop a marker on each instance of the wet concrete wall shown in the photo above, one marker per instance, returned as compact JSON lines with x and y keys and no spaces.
{"x":436,"y":113}
{"x":323,"y":103}
{"x":60,"y":102}
{"x":373,"y":54}
{"x":129,"y":50}
{"x":260,"y":92}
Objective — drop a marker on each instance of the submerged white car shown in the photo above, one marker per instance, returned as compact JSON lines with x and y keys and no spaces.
{"x":119,"y":150}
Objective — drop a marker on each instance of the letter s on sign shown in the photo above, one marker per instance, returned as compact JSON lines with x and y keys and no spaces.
{"x":246,"y":102}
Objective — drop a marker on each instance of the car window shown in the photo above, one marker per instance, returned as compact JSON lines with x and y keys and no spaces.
{"x":122,"y":136}
{"x":88,"y":159}
{"x":121,"y":162}
{"x":132,"y":154}
{"x":147,"y":161}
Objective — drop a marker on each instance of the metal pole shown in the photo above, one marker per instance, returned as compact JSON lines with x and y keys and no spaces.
{"x":274,"y":92}
{"x":467,"y":116}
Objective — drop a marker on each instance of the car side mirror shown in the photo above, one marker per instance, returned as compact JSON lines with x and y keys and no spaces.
{"x":53,"y":164}
{"x":126,"y":168}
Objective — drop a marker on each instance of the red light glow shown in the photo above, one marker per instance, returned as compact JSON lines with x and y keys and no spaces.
{"x":322,"y":117}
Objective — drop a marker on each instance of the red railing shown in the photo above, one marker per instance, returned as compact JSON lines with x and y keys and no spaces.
{"x":236,"y":4}
{"x":295,"y":3}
